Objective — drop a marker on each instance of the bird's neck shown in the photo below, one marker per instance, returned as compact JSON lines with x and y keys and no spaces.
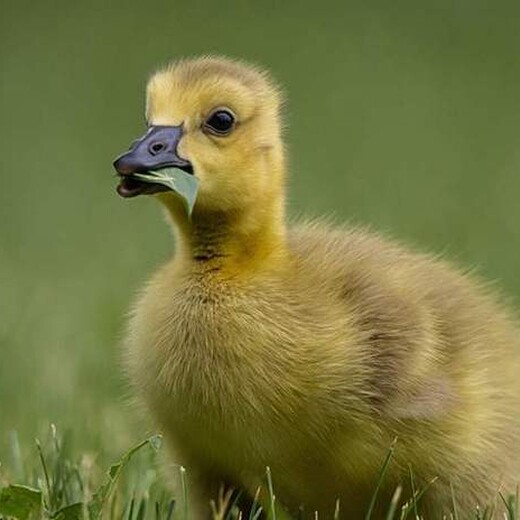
{"x":232,"y":242}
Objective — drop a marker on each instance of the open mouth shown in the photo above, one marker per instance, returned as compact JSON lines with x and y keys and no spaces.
{"x":131,"y":186}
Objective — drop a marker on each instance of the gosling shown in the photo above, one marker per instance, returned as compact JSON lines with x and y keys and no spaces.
{"x":306,"y":349}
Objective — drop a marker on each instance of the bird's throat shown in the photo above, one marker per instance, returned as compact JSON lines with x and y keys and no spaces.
{"x":233,"y":242}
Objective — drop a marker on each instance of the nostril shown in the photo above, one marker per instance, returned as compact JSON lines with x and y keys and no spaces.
{"x":156,"y":147}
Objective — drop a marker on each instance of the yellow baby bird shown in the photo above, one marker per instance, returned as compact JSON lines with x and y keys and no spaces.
{"x":307,"y":349}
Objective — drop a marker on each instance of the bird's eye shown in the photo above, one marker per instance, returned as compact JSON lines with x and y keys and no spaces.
{"x":220,"y":122}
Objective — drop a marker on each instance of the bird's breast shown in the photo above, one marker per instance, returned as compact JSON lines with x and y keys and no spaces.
{"x":202,"y":349}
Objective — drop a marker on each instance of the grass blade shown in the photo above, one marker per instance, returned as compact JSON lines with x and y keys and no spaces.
{"x":382,"y":474}
{"x":453,"y":503}
{"x":393,"y":503}
{"x":16,"y":454}
{"x":272,"y":498}
{"x":103,"y":493}
{"x":255,"y":505}
{"x":336,"y":510}
{"x":141,"y":512}
{"x":171,"y":510}
{"x":49,"y":501}
{"x":414,"y":497}
{"x":184,"y":485}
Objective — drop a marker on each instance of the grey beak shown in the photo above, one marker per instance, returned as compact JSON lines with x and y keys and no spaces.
{"x":155,"y":150}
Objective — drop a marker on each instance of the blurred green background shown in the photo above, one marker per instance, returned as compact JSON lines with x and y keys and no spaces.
{"x":404,"y":115}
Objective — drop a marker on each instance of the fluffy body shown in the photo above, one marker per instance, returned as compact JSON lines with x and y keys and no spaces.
{"x":310,"y":348}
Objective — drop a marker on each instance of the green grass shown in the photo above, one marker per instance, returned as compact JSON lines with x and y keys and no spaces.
{"x":54,"y":482}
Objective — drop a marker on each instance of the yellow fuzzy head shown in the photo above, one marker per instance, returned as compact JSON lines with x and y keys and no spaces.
{"x":239,"y":168}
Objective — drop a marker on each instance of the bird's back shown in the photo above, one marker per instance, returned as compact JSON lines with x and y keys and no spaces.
{"x":442,"y":354}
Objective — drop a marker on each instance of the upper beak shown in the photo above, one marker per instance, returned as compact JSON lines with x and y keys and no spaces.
{"x":154,"y":150}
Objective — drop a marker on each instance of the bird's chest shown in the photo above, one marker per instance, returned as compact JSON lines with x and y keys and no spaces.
{"x":237,"y":374}
{"x":213,"y":358}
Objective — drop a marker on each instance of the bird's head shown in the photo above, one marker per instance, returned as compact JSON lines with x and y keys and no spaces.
{"x":217,"y":120}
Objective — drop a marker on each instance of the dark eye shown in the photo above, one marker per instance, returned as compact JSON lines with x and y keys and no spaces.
{"x":221,"y":122}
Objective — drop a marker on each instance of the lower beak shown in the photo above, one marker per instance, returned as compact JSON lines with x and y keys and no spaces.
{"x":156,"y":150}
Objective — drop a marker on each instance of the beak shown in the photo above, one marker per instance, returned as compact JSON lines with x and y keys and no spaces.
{"x":157,"y":149}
